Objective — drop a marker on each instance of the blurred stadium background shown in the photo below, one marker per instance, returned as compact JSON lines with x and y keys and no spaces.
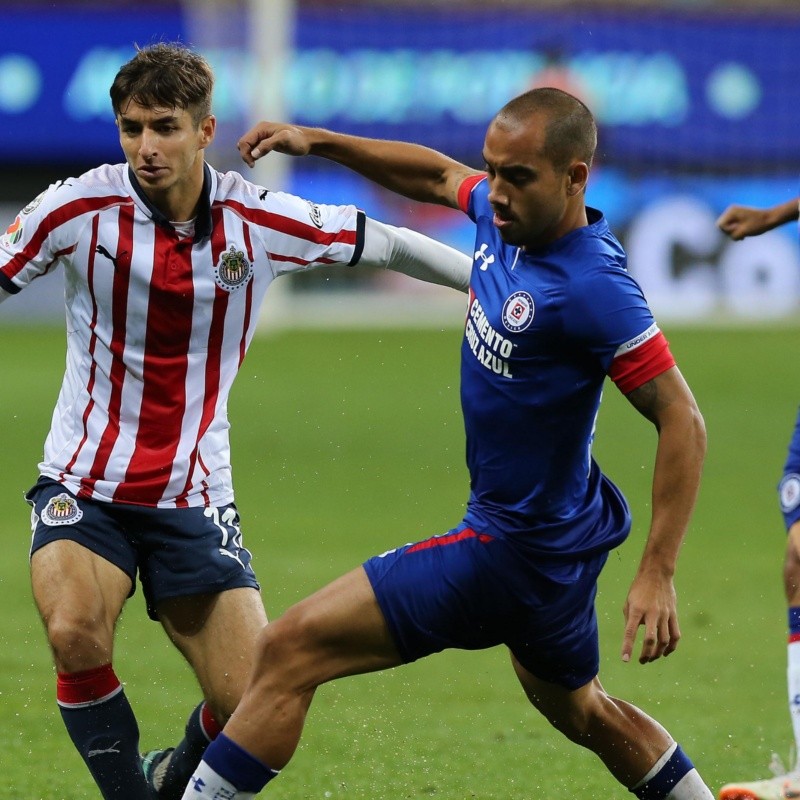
{"x":350,"y":442}
{"x":698,"y":103}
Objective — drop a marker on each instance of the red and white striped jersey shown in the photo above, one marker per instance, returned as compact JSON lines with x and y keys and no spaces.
{"x":158,"y":323}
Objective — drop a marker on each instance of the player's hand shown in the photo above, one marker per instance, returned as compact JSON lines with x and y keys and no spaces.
{"x":651,"y":604}
{"x":266,"y":137}
{"x":741,"y":221}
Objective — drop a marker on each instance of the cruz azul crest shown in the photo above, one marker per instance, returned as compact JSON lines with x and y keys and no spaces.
{"x":233,"y":270}
{"x":61,"y":510}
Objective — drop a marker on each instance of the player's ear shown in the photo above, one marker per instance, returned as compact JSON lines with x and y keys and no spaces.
{"x":577,"y":176}
{"x":208,"y":129}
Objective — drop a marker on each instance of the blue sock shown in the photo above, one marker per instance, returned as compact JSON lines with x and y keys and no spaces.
{"x":658,"y":786}
{"x":235,"y":765}
{"x":794,"y":623}
{"x":201,"y":729}
{"x":103,"y":729}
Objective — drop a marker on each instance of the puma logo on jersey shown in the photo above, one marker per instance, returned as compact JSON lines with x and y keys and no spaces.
{"x":113,"y":259}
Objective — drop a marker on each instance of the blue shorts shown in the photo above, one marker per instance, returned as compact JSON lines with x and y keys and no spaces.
{"x":472,"y":591}
{"x":789,"y":487}
{"x":176,"y":551}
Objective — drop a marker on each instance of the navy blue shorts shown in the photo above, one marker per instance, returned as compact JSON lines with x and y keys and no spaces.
{"x":789,"y":487}
{"x":472,"y":591}
{"x":176,"y":551}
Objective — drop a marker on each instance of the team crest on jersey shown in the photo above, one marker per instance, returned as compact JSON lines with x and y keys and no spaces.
{"x":233,"y":270}
{"x":61,"y":510}
{"x":518,"y":311}
{"x":315,"y":213}
{"x":789,"y":492}
{"x":34,"y":204}
{"x":14,"y":232}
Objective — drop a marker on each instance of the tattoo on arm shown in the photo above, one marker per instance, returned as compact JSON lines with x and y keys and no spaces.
{"x":647,"y":400}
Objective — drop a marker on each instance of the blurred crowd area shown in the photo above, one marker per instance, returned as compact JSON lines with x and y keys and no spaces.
{"x":697,"y":101}
{"x":723,"y":6}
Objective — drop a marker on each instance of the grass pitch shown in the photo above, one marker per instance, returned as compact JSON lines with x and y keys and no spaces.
{"x":348,"y":443}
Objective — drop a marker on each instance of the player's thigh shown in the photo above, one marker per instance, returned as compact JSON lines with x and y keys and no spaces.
{"x":217,"y":633}
{"x":448,"y":591}
{"x":80,"y":596}
{"x":189,"y":552}
{"x":339,"y":630}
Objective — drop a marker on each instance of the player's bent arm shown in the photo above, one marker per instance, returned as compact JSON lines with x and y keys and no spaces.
{"x":412,"y":170}
{"x":667,"y":402}
{"x":411,"y":253}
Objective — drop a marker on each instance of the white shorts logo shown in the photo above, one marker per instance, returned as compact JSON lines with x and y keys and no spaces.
{"x":61,"y":510}
{"x":789,"y":492}
{"x":518,"y":311}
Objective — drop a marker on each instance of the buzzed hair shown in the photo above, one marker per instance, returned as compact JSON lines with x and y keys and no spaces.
{"x":165,"y":75}
{"x":571,"y":131}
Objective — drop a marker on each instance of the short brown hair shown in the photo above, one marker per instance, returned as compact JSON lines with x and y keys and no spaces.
{"x":167,"y":75}
{"x":571,"y":130}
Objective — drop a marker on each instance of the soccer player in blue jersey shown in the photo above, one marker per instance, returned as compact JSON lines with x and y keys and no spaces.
{"x":552,"y":311}
{"x":739,"y":222}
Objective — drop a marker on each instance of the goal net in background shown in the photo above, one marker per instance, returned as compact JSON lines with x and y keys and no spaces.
{"x":697,"y":108}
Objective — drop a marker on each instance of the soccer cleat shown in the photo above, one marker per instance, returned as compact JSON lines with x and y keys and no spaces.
{"x":154,"y":764}
{"x":783,"y":786}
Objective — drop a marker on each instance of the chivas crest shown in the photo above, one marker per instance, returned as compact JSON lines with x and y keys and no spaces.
{"x":233,"y":270}
{"x":61,"y":510}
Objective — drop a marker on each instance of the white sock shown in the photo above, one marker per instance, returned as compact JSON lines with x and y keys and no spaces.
{"x":793,"y":682}
{"x":206,"y":784}
{"x":691,"y":787}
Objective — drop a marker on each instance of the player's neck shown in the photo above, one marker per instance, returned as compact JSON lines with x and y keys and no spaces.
{"x":179,"y":202}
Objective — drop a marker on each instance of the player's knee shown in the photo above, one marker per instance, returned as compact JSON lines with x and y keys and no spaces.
{"x":578,"y":721}
{"x":78,"y":642}
{"x":286,"y":646}
{"x":575,"y":724}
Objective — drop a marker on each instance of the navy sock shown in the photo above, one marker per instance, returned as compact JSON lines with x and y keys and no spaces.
{"x":102,"y":727}
{"x":234,"y":764}
{"x":794,"y":623}
{"x":201,"y":729}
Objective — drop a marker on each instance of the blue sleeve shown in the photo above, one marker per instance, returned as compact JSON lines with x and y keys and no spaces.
{"x":607,"y":309}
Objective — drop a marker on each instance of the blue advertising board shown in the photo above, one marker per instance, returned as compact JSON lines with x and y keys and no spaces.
{"x":56,"y":66}
{"x":683,"y":90}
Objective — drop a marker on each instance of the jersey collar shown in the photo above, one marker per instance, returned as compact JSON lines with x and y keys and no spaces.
{"x":202,"y":228}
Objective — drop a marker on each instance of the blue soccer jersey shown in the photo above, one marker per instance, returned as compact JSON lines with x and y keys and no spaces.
{"x":543,"y":329}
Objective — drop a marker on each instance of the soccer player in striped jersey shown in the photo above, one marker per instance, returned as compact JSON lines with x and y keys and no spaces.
{"x":739,"y":222}
{"x":552,"y":312}
{"x":166,"y":263}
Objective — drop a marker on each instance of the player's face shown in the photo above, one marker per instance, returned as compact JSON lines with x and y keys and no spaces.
{"x":534,"y":204}
{"x":164,"y":147}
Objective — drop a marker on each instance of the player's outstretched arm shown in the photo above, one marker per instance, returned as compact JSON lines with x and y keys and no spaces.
{"x":742,"y":221}
{"x":414,"y":254}
{"x":409,"y":169}
{"x":651,"y":603}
